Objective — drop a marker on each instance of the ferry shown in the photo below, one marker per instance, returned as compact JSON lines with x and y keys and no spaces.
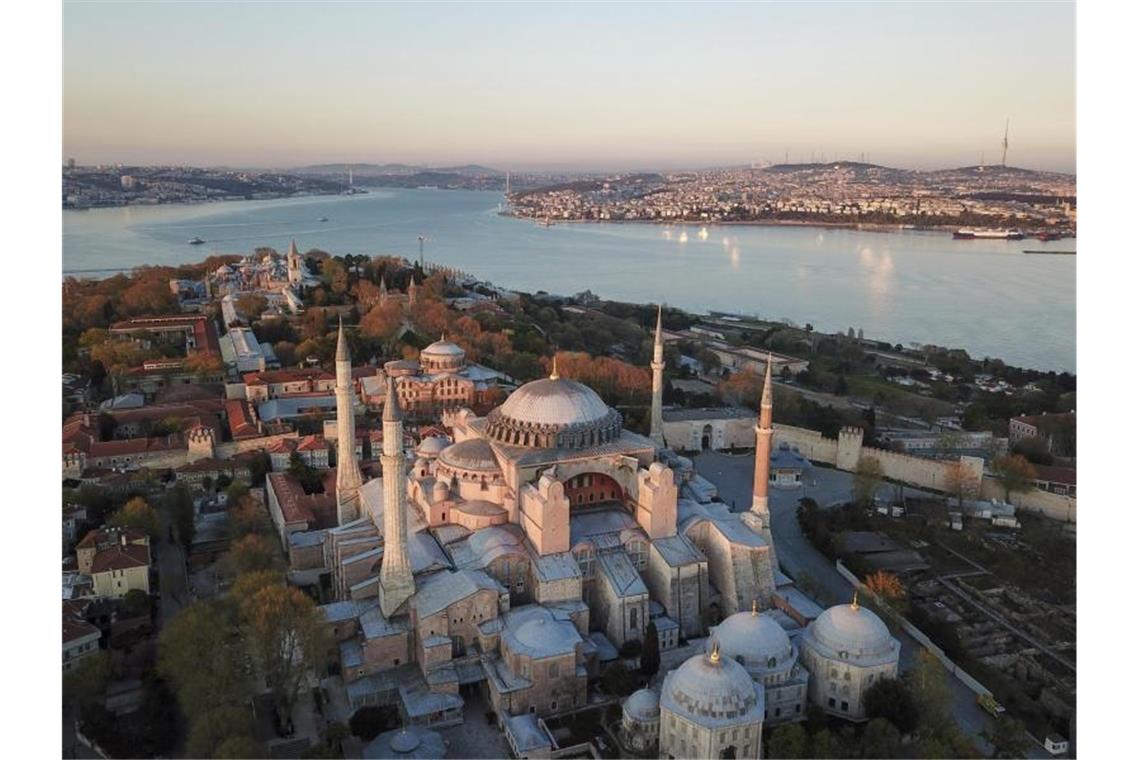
{"x":969,"y":234}
{"x":195,"y":241}
{"x":323,"y":219}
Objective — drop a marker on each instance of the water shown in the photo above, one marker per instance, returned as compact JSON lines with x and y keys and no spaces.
{"x":982,"y":295}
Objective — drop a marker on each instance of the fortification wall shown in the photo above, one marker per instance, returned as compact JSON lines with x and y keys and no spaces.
{"x":1051,"y":505}
{"x":920,"y":472}
{"x":228,"y":450}
{"x":811,"y":443}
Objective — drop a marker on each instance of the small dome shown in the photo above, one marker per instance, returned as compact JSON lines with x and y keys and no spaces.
{"x":404,"y":741}
{"x":755,"y":638}
{"x":852,"y":631}
{"x":712,"y":688}
{"x":473,"y":454}
{"x":432,"y":446}
{"x":643,"y":705}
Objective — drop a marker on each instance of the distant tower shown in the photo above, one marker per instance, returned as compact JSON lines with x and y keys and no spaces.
{"x":412,"y":288}
{"x":421,"y":251}
{"x":757,"y":517}
{"x":658,"y":366}
{"x":293,"y":262}
{"x":383,"y":290}
{"x":1005,"y":142}
{"x":508,"y":192}
{"x":350,"y":178}
{"x":348,"y":477}
{"x":396,"y":582}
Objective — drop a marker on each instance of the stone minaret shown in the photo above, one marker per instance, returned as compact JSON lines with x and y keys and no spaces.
{"x":293,"y":261}
{"x":348,"y":477}
{"x":757,"y":517}
{"x":396,"y":582}
{"x":412,"y":287}
{"x":658,"y":366}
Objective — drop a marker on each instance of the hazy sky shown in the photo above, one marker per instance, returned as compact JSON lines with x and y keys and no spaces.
{"x":568,"y":86}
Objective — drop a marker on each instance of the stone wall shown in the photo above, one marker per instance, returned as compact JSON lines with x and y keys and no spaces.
{"x":920,"y":472}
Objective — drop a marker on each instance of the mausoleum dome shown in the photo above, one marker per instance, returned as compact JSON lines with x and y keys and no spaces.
{"x":711,"y":689}
{"x":755,"y":640}
{"x":848,"y":631}
{"x":643,"y":705}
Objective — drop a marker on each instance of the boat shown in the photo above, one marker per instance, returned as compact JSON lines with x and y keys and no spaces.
{"x":195,"y":241}
{"x":971,"y":234}
{"x":323,"y":219}
{"x":1046,"y":236}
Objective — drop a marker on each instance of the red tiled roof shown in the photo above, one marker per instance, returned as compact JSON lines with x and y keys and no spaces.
{"x":74,"y":626}
{"x":286,"y":376}
{"x":316,"y":510}
{"x":1065,"y":475}
{"x":312,"y":443}
{"x":119,"y":557}
{"x":241,"y":423}
{"x":97,"y":536}
{"x":282,"y":446}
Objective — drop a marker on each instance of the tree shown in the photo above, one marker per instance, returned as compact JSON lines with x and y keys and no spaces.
{"x":134,"y":603}
{"x":179,"y":506}
{"x":217,"y":732}
{"x":138,"y":515}
{"x":201,"y":656}
{"x":203,"y":364}
{"x":251,"y":305}
{"x":881,"y":739}
{"x":1007,"y":736}
{"x":1014,"y":473}
{"x":824,"y":744}
{"x":890,"y":699}
{"x":868,"y":475}
{"x":86,"y":682}
{"x":651,"y":651}
{"x":926,"y":682}
{"x":617,"y":680}
{"x":248,"y":585}
{"x":289,"y":640}
{"x":788,"y":741}
{"x":251,"y":553}
{"x":1035,"y":449}
{"x":885,"y":584}
{"x":961,"y":481}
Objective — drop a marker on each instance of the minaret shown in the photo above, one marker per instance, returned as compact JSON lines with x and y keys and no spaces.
{"x":383,"y":290}
{"x":293,"y":262}
{"x":412,"y":291}
{"x":757,"y":517}
{"x":656,"y":432}
{"x":348,"y":477}
{"x":396,"y":582}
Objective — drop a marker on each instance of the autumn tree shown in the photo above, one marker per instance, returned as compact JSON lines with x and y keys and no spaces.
{"x":961,"y":481}
{"x":1015,"y":473}
{"x":251,"y":305}
{"x":885,"y":584}
{"x":250,"y":554}
{"x":335,"y":275}
{"x":741,"y":389}
{"x":868,"y":475}
{"x":382,"y":321}
{"x":289,"y":641}
{"x":136,"y":514}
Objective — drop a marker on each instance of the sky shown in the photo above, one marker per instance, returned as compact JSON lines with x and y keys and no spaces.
{"x":531,"y":87}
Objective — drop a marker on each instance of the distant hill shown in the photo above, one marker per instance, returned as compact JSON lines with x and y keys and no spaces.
{"x":384,"y":170}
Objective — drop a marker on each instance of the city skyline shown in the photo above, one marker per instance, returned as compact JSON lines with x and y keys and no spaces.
{"x":900,"y":85}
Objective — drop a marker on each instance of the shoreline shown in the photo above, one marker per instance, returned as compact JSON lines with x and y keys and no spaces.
{"x":857,"y":226}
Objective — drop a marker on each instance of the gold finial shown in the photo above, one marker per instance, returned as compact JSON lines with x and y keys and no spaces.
{"x":855,"y":600}
{"x":554,"y":369}
{"x":754,"y":613}
{"x":715,"y":656}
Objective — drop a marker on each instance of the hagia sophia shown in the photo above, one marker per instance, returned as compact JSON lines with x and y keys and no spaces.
{"x":515,"y":555}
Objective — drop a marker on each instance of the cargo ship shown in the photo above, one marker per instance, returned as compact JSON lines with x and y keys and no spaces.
{"x":968,"y":234}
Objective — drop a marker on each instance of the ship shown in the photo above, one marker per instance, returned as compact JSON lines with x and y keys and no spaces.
{"x":969,"y":234}
{"x":195,"y":241}
{"x":1047,"y":236}
{"x":323,"y":219}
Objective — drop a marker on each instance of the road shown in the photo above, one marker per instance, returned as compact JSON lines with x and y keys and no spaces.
{"x":171,"y":560}
{"x":732,"y":475}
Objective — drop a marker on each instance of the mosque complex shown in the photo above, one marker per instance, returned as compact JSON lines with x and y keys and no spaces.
{"x":516,"y":556}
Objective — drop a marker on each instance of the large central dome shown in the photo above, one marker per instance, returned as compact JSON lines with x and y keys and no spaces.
{"x":554,"y":413}
{"x":712,"y":690}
